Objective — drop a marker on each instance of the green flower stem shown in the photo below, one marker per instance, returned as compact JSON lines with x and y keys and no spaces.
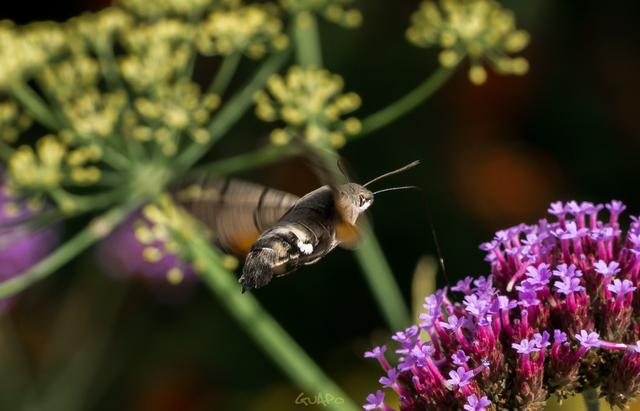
{"x":382,"y":283}
{"x":100,"y":201}
{"x":17,"y":367}
{"x":264,"y":330}
{"x":35,"y":106}
{"x":233,"y":110}
{"x":407,"y":103}
{"x":112,"y":179}
{"x":591,"y":399}
{"x":307,"y":40}
{"x":225,"y":73}
{"x":97,"y":229}
{"x":115,"y":159}
{"x":266,"y":155}
{"x":6,"y":151}
{"x":67,"y":387}
{"x":108,"y":65}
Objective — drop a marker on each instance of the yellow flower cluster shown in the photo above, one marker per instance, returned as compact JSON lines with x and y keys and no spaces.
{"x":251,"y":30}
{"x":156,"y":9}
{"x":332,"y":10}
{"x":69,"y":78}
{"x":99,"y":29}
{"x":42,"y":171}
{"x":12,"y":121}
{"x":52,"y":160}
{"x":157,"y":52}
{"x":171,"y":109}
{"x":475,"y":28}
{"x":88,"y":112}
{"x":47,"y":166}
{"x":93,"y":115}
{"x":24,"y":49}
{"x":310,"y":101}
{"x":167,"y":223}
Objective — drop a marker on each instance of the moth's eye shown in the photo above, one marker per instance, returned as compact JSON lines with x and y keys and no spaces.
{"x":362,"y":201}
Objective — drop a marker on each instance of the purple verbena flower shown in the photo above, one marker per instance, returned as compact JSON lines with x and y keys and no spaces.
{"x":453,"y":323}
{"x":463,"y":285}
{"x":376,"y":352}
{"x":489,"y":350}
{"x":621,"y":287}
{"x":568,"y":285}
{"x":607,"y":269}
{"x":559,"y":336}
{"x":460,"y":377}
{"x":526,"y":347}
{"x":542,"y":340}
{"x":390,"y":379}
{"x":563,"y":271}
{"x":460,"y":358}
{"x":476,"y":404}
{"x":588,"y":339}
{"x":375,"y":401}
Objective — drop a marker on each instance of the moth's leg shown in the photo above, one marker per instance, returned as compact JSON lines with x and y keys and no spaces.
{"x":293,"y":270}
{"x":321,"y":256}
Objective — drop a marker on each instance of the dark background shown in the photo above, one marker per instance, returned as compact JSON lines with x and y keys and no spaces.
{"x":494,"y":156}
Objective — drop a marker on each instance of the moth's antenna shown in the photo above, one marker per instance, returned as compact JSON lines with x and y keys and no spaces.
{"x":341,"y":167}
{"x":426,"y":205}
{"x":400,"y":170}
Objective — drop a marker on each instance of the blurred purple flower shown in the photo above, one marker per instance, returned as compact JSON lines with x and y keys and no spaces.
{"x":120,"y":255}
{"x":20,"y":246}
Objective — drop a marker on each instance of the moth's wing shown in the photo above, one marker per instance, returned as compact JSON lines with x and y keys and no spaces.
{"x":236,"y":211}
{"x":350,"y":236}
{"x":323,"y":162}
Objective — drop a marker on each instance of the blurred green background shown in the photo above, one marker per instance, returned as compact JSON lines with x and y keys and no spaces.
{"x":494,"y":156}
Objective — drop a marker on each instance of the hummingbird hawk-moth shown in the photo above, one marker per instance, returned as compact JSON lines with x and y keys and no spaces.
{"x":272,"y":228}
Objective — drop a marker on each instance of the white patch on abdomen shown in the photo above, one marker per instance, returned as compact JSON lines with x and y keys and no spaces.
{"x":305,"y":248}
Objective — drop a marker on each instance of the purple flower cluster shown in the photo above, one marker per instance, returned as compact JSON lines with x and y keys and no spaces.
{"x":559,"y":314}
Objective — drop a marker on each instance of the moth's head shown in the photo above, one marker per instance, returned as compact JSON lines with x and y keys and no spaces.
{"x":354,"y":199}
{"x":365,"y":199}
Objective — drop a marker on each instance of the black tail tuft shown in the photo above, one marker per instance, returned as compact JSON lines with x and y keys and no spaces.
{"x":256,"y":273}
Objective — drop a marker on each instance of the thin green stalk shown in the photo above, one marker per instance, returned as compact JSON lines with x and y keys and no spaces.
{"x":84,"y":203}
{"x":6,"y":151}
{"x":108,"y":65}
{"x":591,"y":399}
{"x":16,"y":367}
{"x":307,"y":40}
{"x":115,"y":159}
{"x":225,"y":73}
{"x":97,"y":229}
{"x":35,"y":106}
{"x":264,"y":329}
{"x":67,"y":388}
{"x":112,"y":179}
{"x":407,"y":103}
{"x":242,"y":162}
{"x":382,"y":283}
{"x":233,"y":110}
